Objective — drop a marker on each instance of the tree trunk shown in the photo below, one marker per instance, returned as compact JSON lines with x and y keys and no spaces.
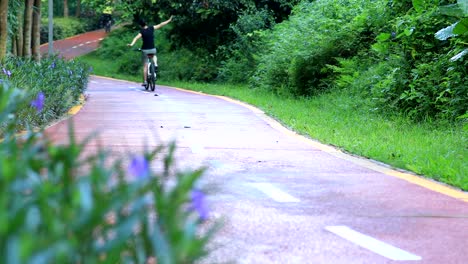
{"x":3,"y":28}
{"x":36,"y":31}
{"x":14,"y":47}
{"x":19,"y":33}
{"x":28,"y":8}
{"x":78,"y":8}
{"x":65,"y":8}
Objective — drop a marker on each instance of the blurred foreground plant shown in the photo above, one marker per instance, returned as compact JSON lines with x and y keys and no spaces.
{"x":59,"y":206}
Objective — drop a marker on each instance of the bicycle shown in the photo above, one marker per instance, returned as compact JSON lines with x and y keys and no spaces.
{"x":151,"y":74}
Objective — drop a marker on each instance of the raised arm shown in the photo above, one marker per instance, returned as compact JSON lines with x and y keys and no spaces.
{"x":160,"y":25}
{"x":135,"y":39}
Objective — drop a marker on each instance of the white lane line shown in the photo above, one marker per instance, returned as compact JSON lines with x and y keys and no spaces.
{"x":372,"y":244}
{"x":275,"y":193}
{"x":74,"y":47}
{"x":81,"y":45}
{"x":100,"y":38}
{"x":87,"y":42}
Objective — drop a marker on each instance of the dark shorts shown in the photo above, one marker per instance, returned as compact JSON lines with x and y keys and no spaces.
{"x":145,"y":52}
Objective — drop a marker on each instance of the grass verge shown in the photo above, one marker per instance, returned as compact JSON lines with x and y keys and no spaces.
{"x":435,"y":150}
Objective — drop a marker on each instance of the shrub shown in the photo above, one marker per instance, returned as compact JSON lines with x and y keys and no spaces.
{"x":239,"y":63}
{"x":424,"y":83}
{"x":296,"y":53}
{"x":59,"y":206}
{"x":62,"y":82}
{"x":65,"y":27}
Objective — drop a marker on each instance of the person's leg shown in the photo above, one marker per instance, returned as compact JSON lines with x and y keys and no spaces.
{"x":144,"y":61}
{"x":145,"y":71}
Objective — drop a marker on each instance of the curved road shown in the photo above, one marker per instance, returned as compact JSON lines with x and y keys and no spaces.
{"x":284,"y":198}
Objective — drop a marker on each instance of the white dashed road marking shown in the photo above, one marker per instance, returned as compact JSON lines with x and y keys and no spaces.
{"x":87,"y":42}
{"x":275,"y":193}
{"x":372,"y":244}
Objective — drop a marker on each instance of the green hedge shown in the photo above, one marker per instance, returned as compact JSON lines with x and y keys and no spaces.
{"x":62,"y":82}
{"x":65,"y":27}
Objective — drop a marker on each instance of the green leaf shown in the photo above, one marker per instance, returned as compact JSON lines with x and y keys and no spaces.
{"x":419,"y":5}
{"x":86,"y":198}
{"x":383,"y":36}
{"x":409,"y":31}
{"x":446,"y":33}
{"x":451,"y":10}
{"x":461,"y":27}
{"x":463,"y":4}
{"x":459,"y":55}
{"x":380,"y":47}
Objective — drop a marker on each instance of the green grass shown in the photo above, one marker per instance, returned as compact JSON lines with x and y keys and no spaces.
{"x":107,"y":68}
{"x":434,"y":150}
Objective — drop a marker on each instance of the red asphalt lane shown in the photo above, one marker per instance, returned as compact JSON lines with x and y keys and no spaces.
{"x":280,"y":198}
{"x":76,"y":45}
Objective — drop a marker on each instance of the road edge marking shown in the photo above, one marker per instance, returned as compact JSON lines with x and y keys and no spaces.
{"x":374,"y":245}
{"x":364,"y":162}
{"x":274,"y":193}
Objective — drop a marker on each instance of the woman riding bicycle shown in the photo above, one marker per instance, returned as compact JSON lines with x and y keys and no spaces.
{"x":147,"y":35}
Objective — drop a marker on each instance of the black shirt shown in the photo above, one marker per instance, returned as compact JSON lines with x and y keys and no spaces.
{"x":147,"y":34}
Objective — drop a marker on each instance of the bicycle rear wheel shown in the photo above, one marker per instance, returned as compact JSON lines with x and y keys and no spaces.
{"x":152,"y":77}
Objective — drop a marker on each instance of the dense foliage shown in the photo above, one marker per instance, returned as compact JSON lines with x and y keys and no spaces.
{"x":62,"y":82}
{"x":300,"y":50}
{"x":59,"y":206}
{"x":66,"y":27}
{"x":385,"y":51}
{"x":399,"y":56}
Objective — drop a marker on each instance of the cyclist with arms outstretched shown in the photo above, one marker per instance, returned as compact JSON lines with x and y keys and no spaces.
{"x":147,"y":35}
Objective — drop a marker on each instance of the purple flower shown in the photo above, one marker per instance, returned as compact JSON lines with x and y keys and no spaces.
{"x":38,"y":103}
{"x":52,"y":66}
{"x":198,"y":204}
{"x":70,"y":72}
{"x":139,"y":167}
{"x":7,"y":72}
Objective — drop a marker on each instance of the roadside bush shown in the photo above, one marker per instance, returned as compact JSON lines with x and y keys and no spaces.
{"x":65,"y":27}
{"x":59,"y":206}
{"x":420,"y":78}
{"x":239,"y":63}
{"x":62,"y":82}
{"x":296,"y":53}
{"x":188,"y":65}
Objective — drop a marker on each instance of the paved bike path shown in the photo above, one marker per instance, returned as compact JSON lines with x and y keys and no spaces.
{"x":76,"y":45}
{"x":284,"y":199}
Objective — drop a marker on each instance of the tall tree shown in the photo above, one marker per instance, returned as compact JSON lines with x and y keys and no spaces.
{"x":19,"y":32}
{"x":65,"y":8}
{"x":78,"y":8}
{"x":36,"y":30}
{"x":3,"y":27}
{"x":28,"y":12}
